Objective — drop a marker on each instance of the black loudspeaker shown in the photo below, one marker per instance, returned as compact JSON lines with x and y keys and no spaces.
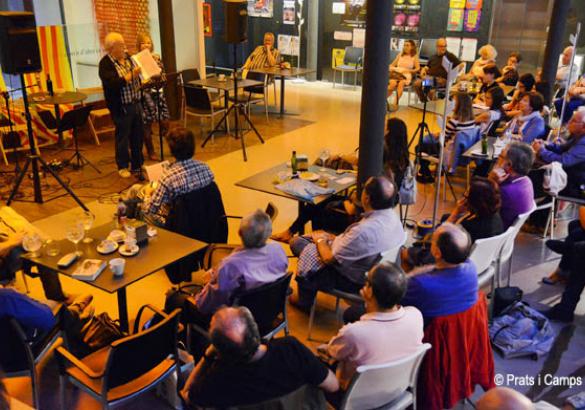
{"x":19,"y":46}
{"x":236,"y":21}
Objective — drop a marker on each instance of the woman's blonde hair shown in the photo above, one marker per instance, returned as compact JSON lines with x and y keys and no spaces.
{"x":489,"y":52}
{"x":142,"y":38}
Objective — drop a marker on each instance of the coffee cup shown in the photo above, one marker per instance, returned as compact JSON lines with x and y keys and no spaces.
{"x":117,"y":266}
{"x":130,"y":243}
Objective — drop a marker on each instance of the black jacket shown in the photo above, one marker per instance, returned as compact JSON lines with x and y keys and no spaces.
{"x":112,"y":84}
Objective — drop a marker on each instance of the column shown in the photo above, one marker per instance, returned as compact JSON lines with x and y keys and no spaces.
{"x":167,"y":41}
{"x":554,"y":44}
{"x":374,"y":86}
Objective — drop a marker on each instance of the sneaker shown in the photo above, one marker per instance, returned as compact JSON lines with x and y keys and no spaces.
{"x":558,"y":314}
{"x":124,"y":173}
{"x":556,"y":246}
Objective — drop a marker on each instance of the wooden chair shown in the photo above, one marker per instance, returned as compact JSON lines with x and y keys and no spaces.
{"x":97,"y":115}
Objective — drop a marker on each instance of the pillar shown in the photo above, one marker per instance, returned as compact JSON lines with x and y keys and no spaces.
{"x":374,"y":86}
{"x":554,"y":44}
{"x":167,"y":40}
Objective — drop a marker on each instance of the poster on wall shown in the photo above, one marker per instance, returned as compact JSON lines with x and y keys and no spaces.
{"x":472,"y":20}
{"x":207,"y":26}
{"x":342,"y":35}
{"x":337,"y":55}
{"x":260,"y":8}
{"x":338,"y":8}
{"x":455,"y":20}
{"x":359,"y":37}
{"x":457,"y":4}
{"x":468,"y":49}
{"x":288,"y":45}
{"x":355,"y":13}
{"x":474,"y":4}
{"x":288,"y":12}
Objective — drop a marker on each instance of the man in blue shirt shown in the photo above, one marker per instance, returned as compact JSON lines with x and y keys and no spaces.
{"x":450,"y":285}
{"x":35,"y":317}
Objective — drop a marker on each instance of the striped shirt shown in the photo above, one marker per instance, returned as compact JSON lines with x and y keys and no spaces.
{"x":130,"y":92}
{"x":259,"y":58}
{"x":454,"y":126}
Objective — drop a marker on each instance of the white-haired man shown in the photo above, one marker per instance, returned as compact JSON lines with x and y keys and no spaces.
{"x":121,"y":83}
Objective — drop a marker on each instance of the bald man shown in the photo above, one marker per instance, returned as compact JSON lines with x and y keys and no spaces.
{"x":435,"y":69}
{"x":503,"y":398}
{"x":450,"y":285}
{"x":239,"y":370}
{"x":562,"y":78}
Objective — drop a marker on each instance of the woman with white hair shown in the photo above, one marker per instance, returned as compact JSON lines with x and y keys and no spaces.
{"x":121,"y":83}
{"x":487,"y":55}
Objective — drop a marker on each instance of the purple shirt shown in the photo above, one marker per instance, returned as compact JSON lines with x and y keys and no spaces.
{"x":242,"y":269}
{"x":517,"y":198}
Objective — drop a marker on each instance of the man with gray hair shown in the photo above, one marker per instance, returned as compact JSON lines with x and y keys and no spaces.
{"x":121,"y":83}
{"x":511,"y":174}
{"x":254,"y":264}
{"x":450,"y":285}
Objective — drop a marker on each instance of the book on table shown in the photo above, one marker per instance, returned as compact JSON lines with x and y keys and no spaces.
{"x":89,"y":269}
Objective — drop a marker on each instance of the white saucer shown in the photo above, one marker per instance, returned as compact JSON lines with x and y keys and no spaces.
{"x":106,"y":251}
{"x":125,"y":252}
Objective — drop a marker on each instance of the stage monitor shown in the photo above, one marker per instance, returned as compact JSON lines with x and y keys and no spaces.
{"x":19,"y":45}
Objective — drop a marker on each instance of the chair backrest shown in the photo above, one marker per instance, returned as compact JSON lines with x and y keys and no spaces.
{"x":376,"y":385}
{"x":508,"y":246}
{"x":353,"y":56}
{"x":391,"y":255}
{"x":266,"y":302}
{"x":190,"y":74}
{"x":427,"y":48}
{"x":256,"y":76}
{"x":197,"y":98}
{"x":15,"y":353}
{"x":486,"y":250}
{"x":136,"y":355}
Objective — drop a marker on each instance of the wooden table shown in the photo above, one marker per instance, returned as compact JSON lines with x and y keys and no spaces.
{"x":283,"y":73}
{"x":57,"y":99}
{"x":162,"y":250}
{"x":265,"y":182}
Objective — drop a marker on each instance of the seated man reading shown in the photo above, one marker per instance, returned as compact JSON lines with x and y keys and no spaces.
{"x":327,"y":261}
{"x":238,"y":369}
{"x":254,"y":264}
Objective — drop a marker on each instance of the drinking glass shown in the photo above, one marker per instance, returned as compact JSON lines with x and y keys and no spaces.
{"x":52,"y":247}
{"x":31,"y":242}
{"x":87,"y":220}
{"x":324,"y":156}
{"x":75,"y":234}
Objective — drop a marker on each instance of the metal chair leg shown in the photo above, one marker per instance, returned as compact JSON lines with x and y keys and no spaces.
{"x":312,"y":317}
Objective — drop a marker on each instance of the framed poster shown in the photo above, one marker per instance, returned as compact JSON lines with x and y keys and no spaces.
{"x":337,"y":55}
{"x":288,"y":12}
{"x":455,"y":20}
{"x":474,"y":4}
{"x":472,"y":20}
{"x":457,"y":4}
{"x":288,"y":45}
{"x":261,"y":8}
{"x":207,"y":26}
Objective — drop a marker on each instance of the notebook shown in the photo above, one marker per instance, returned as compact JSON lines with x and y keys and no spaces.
{"x":89,"y":269}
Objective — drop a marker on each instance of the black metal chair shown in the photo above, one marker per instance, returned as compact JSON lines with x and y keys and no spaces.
{"x":129,"y":366}
{"x":352,"y":63}
{"x":268,"y":306}
{"x":20,"y":356}
{"x":199,"y":103}
{"x":257,"y":93}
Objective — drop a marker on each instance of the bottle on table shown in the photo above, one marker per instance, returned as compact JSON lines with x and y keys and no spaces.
{"x":484,"y":144}
{"x":294,"y":165}
{"x":49,"y":85}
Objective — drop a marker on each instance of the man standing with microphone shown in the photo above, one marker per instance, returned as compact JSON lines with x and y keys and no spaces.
{"x":121,"y":84}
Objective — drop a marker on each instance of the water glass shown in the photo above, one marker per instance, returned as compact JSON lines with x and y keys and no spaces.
{"x":75,"y":234}
{"x":32,"y":242}
{"x":87,"y":220}
{"x":324,"y":156}
{"x":52,"y":247}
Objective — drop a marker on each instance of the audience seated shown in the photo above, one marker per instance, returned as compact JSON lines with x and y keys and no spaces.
{"x":488,"y":120}
{"x":435,"y":69}
{"x":511,"y":174}
{"x":487,"y":56}
{"x":565,"y":248}
{"x":503,"y":398}
{"x":528,"y":124}
{"x":575,"y":99}
{"x":327,"y":261}
{"x":460,"y":120}
{"x":337,"y":213}
{"x":510,"y":74}
{"x":563,"y":80}
{"x":524,"y":85}
{"x":488,"y":81}
{"x":404,"y":66}
{"x":252,"y":265}
{"x":183,"y":176}
{"x":238,"y":369}
{"x":386,"y":331}
{"x":450,"y":285}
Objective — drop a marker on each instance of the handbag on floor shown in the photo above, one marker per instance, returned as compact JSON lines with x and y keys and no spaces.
{"x":101,"y":331}
{"x":505,"y":296}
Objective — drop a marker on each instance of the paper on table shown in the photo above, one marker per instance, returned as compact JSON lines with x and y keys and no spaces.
{"x":155,"y":171}
{"x":149,"y":68}
{"x":89,"y":269}
{"x":346,"y":180}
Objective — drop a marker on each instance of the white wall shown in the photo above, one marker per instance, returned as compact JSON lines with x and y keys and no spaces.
{"x":47,"y":12}
{"x":189,"y":41}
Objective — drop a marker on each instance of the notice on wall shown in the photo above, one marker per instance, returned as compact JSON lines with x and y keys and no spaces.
{"x":474,"y":4}
{"x":359,"y":37}
{"x":288,"y":45}
{"x":454,"y":45}
{"x":343,"y":35}
{"x":455,"y":20}
{"x":468,"y":49}
{"x":260,"y":8}
{"x":337,"y":55}
{"x":472,"y":20}
{"x":338,"y":8}
{"x":288,"y":12}
{"x":457,"y":4}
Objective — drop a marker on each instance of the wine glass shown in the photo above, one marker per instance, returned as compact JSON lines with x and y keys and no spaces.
{"x":324,"y":156}
{"x":31,"y":242}
{"x":75,"y":233}
{"x":87,"y":220}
